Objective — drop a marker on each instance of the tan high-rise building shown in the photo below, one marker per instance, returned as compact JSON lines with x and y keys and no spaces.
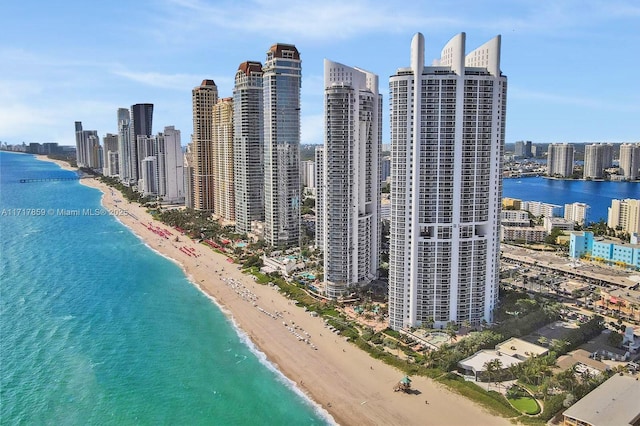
{"x":222,"y":136}
{"x":204,"y":98}
{"x":624,"y":215}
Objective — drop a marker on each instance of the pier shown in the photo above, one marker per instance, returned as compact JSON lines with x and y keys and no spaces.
{"x":53,"y":179}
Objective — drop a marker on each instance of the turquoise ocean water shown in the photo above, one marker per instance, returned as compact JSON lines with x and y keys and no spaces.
{"x":98,"y":329}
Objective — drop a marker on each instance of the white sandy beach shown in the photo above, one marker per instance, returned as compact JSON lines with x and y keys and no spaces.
{"x":353,"y":387}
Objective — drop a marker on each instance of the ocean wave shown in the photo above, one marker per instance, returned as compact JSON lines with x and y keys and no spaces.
{"x":264,"y":360}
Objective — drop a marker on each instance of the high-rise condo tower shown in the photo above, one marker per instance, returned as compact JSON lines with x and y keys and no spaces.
{"x":222,"y":136}
{"x":204,"y":97}
{"x":447,"y":137}
{"x":248,"y":145}
{"x":350,"y":177}
{"x":140,"y":126}
{"x":560,"y":158}
{"x":281,"y":91}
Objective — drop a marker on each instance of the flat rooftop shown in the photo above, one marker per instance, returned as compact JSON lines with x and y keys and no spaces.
{"x":477,"y":361}
{"x":615,"y":402}
{"x":520,"y":348}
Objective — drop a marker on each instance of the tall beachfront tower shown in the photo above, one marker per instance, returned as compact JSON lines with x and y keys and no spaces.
{"x":447,"y":138}
{"x":204,"y":97}
{"x":248,"y":145}
{"x":560,"y":159}
{"x":110,"y":150}
{"x":80,"y":146}
{"x":281,"y":81}
{"x":188,"y":176}
{"x":88,"y":149}
{"x":124,"y":145}
{"x":222,"y":136}
{"x":170,"y":165}
{"x":350,"y":177}
{"x":141,"y":126}
{"x":320,"y":201}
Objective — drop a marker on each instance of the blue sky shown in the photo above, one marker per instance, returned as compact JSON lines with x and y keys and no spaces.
{"x":572,"y":65}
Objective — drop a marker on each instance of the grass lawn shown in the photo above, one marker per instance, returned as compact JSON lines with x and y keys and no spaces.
{"x":526,"y":405}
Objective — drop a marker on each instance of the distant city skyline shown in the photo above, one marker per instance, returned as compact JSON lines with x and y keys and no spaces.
{"x":571,"y":73}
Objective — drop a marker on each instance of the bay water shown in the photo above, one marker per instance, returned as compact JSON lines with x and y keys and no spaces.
{"x":596,"y":194}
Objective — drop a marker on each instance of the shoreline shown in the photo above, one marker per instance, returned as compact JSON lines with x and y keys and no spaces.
{"x":339,"y":378}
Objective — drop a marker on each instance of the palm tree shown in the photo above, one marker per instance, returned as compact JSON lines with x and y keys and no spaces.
{"x":452,"y":334}
{"x":492,"y":367}
{"x":466,"y":324}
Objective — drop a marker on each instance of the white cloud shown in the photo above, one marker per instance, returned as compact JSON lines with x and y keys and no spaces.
{"x":568,"y":99}
{"x":326,"y":20}
{"x":166,"y":81}
{"x":333,"y":20}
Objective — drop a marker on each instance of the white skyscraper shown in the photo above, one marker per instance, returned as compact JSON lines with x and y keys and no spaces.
{"x":162,"y":173}
{"x":170,"y":166}
{"x":281,"y":82}
{"x":148,"y":182}
{"x":308,"y":174}
{"x":88,"y":149}
{"x":447,"y":138}
{"x":110,"y":150}
{"x":560,"y":159}
{"x":597,"y":157}
{"x":630,"y":160}
{"x":350,"y":179}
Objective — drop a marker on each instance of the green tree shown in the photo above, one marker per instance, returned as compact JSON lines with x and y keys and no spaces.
{"x":492,"y":368}
{"x":615,"y":339}
{"x":553,"y":236}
